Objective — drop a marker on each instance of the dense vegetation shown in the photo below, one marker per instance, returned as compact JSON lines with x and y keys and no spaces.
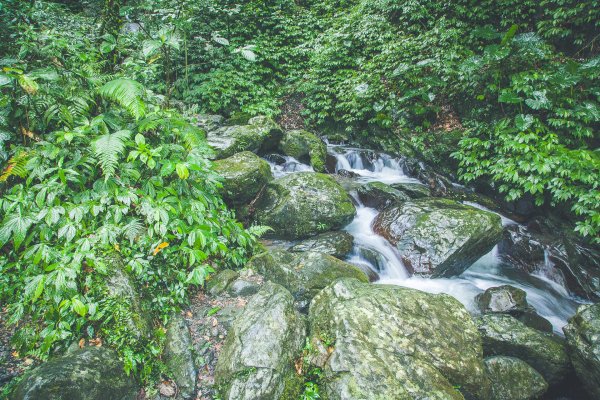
{"x":102,"y":161}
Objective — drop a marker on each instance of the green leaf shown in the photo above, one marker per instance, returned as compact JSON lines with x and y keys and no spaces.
{"x":126,"y":92}
{"x":108,"y":148}
{"x":182,"y":171}
{"x":78,"y":306}
{"x":510,"y":34}
{"x":522,"y":122}
{"x":149,"y":47}
{"x":507,"y":96}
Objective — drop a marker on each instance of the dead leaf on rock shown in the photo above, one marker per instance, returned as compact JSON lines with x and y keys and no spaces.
{"x":166,"y":389}
{"x":81,"y":343}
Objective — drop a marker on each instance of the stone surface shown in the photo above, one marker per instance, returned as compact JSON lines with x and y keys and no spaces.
{"x":303,"y":274}
{"x":261,"y":136}
{"x":306,"y":147}
{"x":303,"y":204}
{"x":243,"y":287}
{"x":179,"y":358}
{"x":337,"y":243}
{"x":244,"y":175}
{"x":505,"y":335}
{"x":219,"y":283}
{"x":389,"y":342}
{"x":412,"y":190}
{"x":583,"y":339}
{"x":514,"y":379}
{"x":92,"y":373}
{"x":438,"y":237}
{"x":257,"y":360}
{"x":378,"y":195}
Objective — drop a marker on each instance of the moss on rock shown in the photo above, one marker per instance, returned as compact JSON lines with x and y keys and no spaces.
{"x":244,"y":175}
{"x":306,"y":147}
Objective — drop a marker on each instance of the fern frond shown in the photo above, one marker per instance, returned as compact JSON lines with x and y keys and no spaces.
{"x":127,"y":93}
{"x":108,"y":148}
{"x":16,"y":166}
{"x":258,"y":230}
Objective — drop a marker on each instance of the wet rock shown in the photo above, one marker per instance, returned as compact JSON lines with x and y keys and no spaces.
{"x":583,"y":339}
{"x":276,"y":159}
{"x":257,"y":360}
{"x":344,"y":173}
{"x":330,"y":163}
{"x":412,"y":190}
{"x":303,"y":204}
{"x":210,"y":122}
{"x":373,"y":257}
{"x":511,"y":300}
{"x":303,"y":274}
{"x":438,"y":237}
{"x":337,"y":243}
{"x":219,"y":283}
{"x":379,"y":195}
{"x":261,"y":136}
{"x":514,"y":379}
{"x":505,"y":335}
{"x":92,"y":373}
{"x":389,"y":342}
{"x":179,"y":358}
{"x":244,"y":175}
{"x":243,"y":287}
{"x":306,"y":147}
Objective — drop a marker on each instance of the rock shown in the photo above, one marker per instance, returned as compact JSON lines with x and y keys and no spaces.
{"x":179,"y":358}
{"x":210,"y":122}
{"x":91,"y":373}
{"x":243,"y":287}
{"x":276,"y":159}
{"x":438,"y":237}
{"x":505,"y":335}
{"x":583,"y":339}
{"x":344,"y":173}
{"x":303,"y":204}
{"x":257,"y":360}
{"x":412,"y":190}
{"x":337,"y":243}
{"x":379,"y":195}
{"x":514,"y":379}
{"x":366,"y":268}
{"x":220,"y":282}
{"x":303,"y":274}
{"x":305,"y":147}
{"x":511,"y":300}
{"x":390,"y":342}
{"x":330,"y":163}
{"x":374,"y":257}
{"x":244,"y":175}
{"x":261,"y":136}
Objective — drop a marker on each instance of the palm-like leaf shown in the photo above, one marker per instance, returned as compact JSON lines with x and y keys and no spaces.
{"x":126,"y":92}
{"x":108,"y":148}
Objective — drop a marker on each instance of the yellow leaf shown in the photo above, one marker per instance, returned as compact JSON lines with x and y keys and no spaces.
{"x":159,"y":248}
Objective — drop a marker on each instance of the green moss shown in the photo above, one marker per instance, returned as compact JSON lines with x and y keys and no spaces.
{"x":305,"y":146}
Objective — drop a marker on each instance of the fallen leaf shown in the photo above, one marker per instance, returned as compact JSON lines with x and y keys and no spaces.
{"x":81,"y":343}
{"x":159,"y":248}
{"x":166,"y":389}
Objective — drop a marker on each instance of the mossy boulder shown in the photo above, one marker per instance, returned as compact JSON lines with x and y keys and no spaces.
{"x":412,"y":190}
{"x":514,"y":379}
{"x":219,"y":283}
{"x":244,"y":175}
{"x":303,"y":204}
{"x":337,"y":243}
{"x":507,"y":336}
{"x":439,"y":237}
{"x":91,"y":373}
{"x":261,"y":136}
{"x":303,"y":274}
{"x":389,"y":342}
{"x":257,"y":360}
{"x":178,"y":356}
{"x":583,"y":338}
{"x":378,"y":195}
{"x":306,"y":147}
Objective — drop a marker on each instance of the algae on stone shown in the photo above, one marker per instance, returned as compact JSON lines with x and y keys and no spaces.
{"x":306,"y":147}
{"x":244,"y":175}
{"x":261,"y":135}
{"x":514,"y":379}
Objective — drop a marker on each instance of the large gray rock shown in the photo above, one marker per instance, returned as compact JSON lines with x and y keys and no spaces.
{"x":514,"y":379}
{"x":257,"y":360}
{"x":337,"y":243}
{"x":178,"y":356}
{"x":439,"y":237}
{"x":583,"y":338}
{"x":303,"y":274}
{"x":378,"y":195}
{"x":507,"y":336}
{"x":261,"y":135}
{"x":244,"y":175}
{"x":306,"y":147}
{"x":303,"y":204}
{"x":389,"y":342}
{"x":92,"y":373}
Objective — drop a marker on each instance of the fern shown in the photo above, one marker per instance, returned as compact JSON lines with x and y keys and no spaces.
{"x":107,"y":148}
{"x":258,"y":230}
{"x":127,"y":93}
{"x":16,"y":166}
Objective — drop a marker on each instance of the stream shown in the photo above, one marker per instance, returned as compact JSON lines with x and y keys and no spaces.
{"x":550,"y":299}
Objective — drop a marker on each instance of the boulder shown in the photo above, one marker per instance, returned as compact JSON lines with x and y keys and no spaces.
{"x":244,"y":175}
{"x":514,"y":379}
{"x":303,"y":204}
{"x":583,"y":339}
{"x":178,"y":356}
{"x":390,"y":342}
{"x":210,"y":122}
{"x":412,"y":190}
{"x":507,"y":336}
{"x":91,"y":373}
{"x":337,"y":243}
{"x":305,"y":147}
{"x":378,"y":195}
{"x":303,"y":274}
{"x":439,"y":237}
{"x":261,"y":136}
{"x":511,"y":300}
{"x":257,"y":359}
{"x":220,"y":282}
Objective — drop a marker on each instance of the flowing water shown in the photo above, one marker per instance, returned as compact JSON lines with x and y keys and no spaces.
{"x":550,"y":299}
